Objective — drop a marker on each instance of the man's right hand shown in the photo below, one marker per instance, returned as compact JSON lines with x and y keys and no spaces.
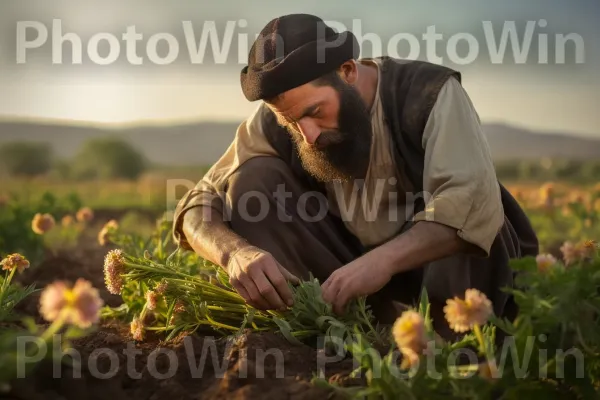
{"x":260,"y":279}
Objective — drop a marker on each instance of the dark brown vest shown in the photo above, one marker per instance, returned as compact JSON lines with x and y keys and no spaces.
{"x":409,"y":90}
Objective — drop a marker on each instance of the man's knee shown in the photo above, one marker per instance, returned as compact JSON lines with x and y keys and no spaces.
{"x":258,"y":175}
{"x":255,"y":190}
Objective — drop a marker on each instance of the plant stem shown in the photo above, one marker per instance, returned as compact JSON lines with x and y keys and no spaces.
{"x":5,"y":285}
{"x":220,"y":325}
{"x":479,"y":335}
{"x":54,"y":327}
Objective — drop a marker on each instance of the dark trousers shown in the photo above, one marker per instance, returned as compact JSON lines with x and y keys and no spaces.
{"x":306,"y":240}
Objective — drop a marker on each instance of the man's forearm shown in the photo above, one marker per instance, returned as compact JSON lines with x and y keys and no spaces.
{"x":209,"y":235}
{"x":423,"y":243}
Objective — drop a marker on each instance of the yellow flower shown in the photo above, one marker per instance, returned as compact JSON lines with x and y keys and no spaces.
{"x":112,"y":224}
{"x":14,"y":261}
{"x":545,"y":261}
{"x":42,"y":223}
{"x":588,"y":248}
{"x":462,"y":315}
{"x":79,"y":305}
{"x":85,"y":214}
{"x":410,"y":336}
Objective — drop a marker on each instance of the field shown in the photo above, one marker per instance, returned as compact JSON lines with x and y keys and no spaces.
{"x":171,"y":356}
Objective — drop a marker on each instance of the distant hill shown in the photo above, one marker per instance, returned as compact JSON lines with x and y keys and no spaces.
{"x":509,"y":143}
{"x":204,"y":142}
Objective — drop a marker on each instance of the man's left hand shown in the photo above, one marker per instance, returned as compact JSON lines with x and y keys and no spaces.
{"x":361,"y":277}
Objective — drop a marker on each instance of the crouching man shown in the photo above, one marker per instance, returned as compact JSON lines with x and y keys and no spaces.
{"x":371,"y":174}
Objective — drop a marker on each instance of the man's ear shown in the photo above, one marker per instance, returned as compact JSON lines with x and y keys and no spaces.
{"x":348,"y":71}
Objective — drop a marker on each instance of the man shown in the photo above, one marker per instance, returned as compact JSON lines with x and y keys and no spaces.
{"x":372,"y":175}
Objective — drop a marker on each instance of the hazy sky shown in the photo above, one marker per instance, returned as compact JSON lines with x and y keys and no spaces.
{"x":539,"y":93}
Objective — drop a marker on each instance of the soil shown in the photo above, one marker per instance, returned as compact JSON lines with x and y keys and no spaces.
{"x":114,"y":366}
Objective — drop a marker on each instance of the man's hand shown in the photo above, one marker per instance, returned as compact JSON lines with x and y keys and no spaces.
{"x":260,"y":279}
{"x":422,"y":243}
{"x":361,"y":277}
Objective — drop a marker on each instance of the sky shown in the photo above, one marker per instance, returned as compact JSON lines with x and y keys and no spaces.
{"x":167,"y":76}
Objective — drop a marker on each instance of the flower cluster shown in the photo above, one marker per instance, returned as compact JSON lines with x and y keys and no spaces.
{"x":78,"y":305}
{"x":573,"y":253}
{"x":113,"y":268}
{"x":13,"y":261}
{"x":463,"y":315}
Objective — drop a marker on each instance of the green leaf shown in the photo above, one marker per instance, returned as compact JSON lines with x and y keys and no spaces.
{"x":286,"y":330}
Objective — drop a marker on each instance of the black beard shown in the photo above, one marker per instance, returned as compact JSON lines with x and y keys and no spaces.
{"x":342,"y":154}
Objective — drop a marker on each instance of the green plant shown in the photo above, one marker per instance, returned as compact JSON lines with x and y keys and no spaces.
{"x":16,"y":234}
{"x":25,"y":158}
{"x":107,"y":158}
{"x":11,"y":294}
{"x":72,"y":311}
{"x":551,"y":350}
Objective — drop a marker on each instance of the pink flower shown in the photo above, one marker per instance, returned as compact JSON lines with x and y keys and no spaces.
{"x":462,"y":315}
{"x":79,"y":305}
{"x":179,"y":307}
{"x":113,"y":268}
{"x":107,"y":229}
{"x":137,"y":329}
{"x":42,"y":223}
{"x":53,"y":300}
{"x":14,"y":261}
{"x":85,"y":214}
{"x":162,"y":287}
{"x":545,"y":261}
{"x":570,"y":252}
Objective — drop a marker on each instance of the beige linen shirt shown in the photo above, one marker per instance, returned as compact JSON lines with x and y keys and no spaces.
{"x":460,"y":185}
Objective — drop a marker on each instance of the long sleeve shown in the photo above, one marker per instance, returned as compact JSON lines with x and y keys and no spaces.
{"x":249,"y":142}
{"x":460,"y":184}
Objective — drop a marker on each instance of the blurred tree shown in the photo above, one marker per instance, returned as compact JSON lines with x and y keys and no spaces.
{"x":107,"y":158}
{"x":25,"y":158}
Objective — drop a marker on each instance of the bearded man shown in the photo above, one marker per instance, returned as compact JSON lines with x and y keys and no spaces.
{"x":372,"y":175}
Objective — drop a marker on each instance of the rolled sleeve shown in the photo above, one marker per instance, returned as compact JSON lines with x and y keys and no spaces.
{"x":249,"y":142}
{"x":459,"y":182}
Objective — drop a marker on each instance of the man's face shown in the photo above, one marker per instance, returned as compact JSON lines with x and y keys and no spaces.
{"x":331,"y":128}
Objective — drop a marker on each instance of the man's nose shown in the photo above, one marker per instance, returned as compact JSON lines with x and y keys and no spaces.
{"x":310,"y":131}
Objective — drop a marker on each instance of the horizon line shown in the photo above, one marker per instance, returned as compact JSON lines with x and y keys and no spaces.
{"x":149,"y":122}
